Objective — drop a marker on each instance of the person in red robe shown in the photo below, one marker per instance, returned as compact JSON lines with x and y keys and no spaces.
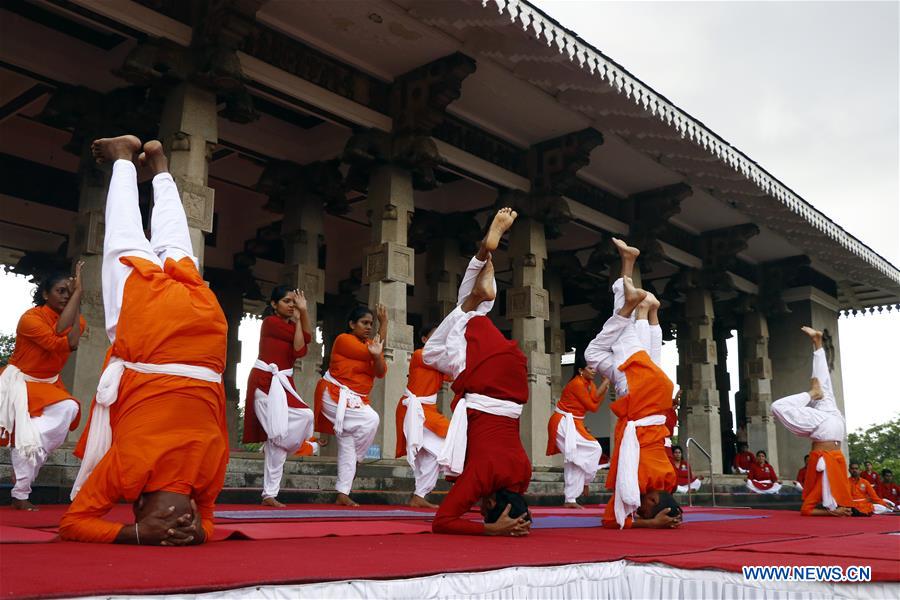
{"x":887,"y":489}
{"x":672,"y":422}
{"x":157,"y":433}
{"x":801,"y":473}
{"x":35,"y":406}
{"x":483,"y":448}
{"x":274,"y":413}
{"x":421,"y":427}
{"x":870,"y":474}
{"x":685,"y":477}
{"x":762,"y":478}
{"x":743,"y":460}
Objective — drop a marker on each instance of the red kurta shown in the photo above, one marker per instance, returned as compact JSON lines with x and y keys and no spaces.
{"x":870,"y":476}
{"x":495,"y":457}
{"x":889,"y":491}
{"x":649,"y":393}
{"x":168,"y":433}
{"x":422,"y":381}
{"x":744,"y":460}
{"x":276,"y":345}
{"x":683,"y":473}
{"x":41,"y":352}
{"x":671,"y":422}
{"x":801,"y":475}
{"x":579,"y":397}
{"x":763,"y":477}
{"x":354,"y":366}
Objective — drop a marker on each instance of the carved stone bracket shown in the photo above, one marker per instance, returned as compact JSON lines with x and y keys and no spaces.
{"x":553,"y":164}
{"x":88,"y":237}
{"x":285,"y":182}
{"x":652,"y":210}
{"x":427,"y":226}
{"x":310,"y":279}
{"x":199,"y":202}
{"x":774,"y":278}
{"x":389,"y":262}
{"x":528,"y":302}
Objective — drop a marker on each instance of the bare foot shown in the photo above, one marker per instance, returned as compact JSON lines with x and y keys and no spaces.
{"x":628,"y":254}
{"x":587,"y":489}
{"x":484,"y":284}
{"x":154,"y":157}
{"x":572,"y":505}
{"x":17,"y":504}
{"x":651,"y":302}
{"x":123,"y":147}
{"x":815,"y":389}
{"x":420,"y":502}
{"x":815,"y":336}
{"x":841,"y":511}
{"x":503,"y":220}
{"x":344,"y":500}
{"x":273,"y":502}
{"x":633,"y":297}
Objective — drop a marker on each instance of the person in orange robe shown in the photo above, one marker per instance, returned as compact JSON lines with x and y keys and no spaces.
{"x":342,"y":395}
{"x":865,"y":499}
{"x":685,"y":477}
{"x":814,"y":414}
{"x":743,"y":460}
{"x":887,"y":489}
{"x":640,"y":473}
{"x":567,"y":433}
{"x":157,"y":434}
{"x":421,"y":431}
{"x":309,"y":447}
{"x":870,"y":474}
{"x":274,"y":413}
{"x":45,"y":336}
{"x":762,"y":478}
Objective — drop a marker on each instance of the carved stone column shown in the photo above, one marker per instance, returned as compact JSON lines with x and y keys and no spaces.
{"x":230,"y":294}
{"x":555,"y":336}
{"x":722,"y":332}
{"x":756,"y":370}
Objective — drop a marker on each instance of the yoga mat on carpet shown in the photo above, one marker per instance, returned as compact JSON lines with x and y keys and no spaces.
{"x":861,"y":544}
{"x":316,"y":529}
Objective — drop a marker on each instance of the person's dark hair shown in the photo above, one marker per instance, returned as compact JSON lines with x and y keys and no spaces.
{"x":580,"y":362}
{"x":853,"y":462}
{"x":358,"y":313}
{"x":763,"y":452}
{"x":504,"y":497}
{"x":278,"y":292}
{"x":806,"y":457}
{"x":677,"y":447}
{"x":667,"y":500}
{"x":428,"y":328}
{"x":742,"y":445}
{"x":886,"y":472}
{"x":47,"y":284}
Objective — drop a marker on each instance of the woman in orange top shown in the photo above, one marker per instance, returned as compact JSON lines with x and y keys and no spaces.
{"x":45,"y":336}
{"x":342,"y":395}
{"x":421,"y":429}
{"x":566,"y":432}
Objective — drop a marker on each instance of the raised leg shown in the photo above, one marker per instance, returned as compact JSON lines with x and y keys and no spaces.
{"x":170,"y":236}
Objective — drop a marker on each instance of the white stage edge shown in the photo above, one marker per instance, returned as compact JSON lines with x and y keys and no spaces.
{"x":616,"y":580}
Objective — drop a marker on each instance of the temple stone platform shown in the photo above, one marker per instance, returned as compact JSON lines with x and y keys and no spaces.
{"x":384,"y":481}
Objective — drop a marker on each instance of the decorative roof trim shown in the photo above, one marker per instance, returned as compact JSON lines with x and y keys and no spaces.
{"x":542,"y":27}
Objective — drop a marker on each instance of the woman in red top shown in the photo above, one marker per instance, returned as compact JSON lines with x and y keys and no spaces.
{"x":870,"y":474}
{"x":801,"y":473}
{"x":342,"y":395}
{"x":762,"y":478}
{"x":421,"y":428}
{"x":274,"y":413}
{"x":684,"y":477}
{"x":45,"y":336}
{"x":566,"y":432}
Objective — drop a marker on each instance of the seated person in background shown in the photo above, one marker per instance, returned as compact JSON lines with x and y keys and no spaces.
{"x":743,"y":460}
{"x":685,"y":477}
{"x":865,"y":499}
{"x":887,"y":489}
{"x":801,"y":474}
{"x":762,"y":478}
{"x":870,"y":474}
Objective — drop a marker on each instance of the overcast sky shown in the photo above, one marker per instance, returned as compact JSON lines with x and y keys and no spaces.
{"x":809,"y":90}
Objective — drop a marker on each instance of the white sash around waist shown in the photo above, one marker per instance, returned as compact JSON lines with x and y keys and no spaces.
{"x":276,"y":424}
{"x":14,"y":416}
{"x":414,"y":423}
{"x":452,"y":457}
{"x":347,"y":398}
{"x":628,"y":491}
{"x":570,"y":433}
{"x":100,"y":434}
{"x":828,"y":500}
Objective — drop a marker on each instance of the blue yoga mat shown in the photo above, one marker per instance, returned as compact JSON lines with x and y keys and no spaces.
{"x":565,"y":522}
{"x":319,"y":514}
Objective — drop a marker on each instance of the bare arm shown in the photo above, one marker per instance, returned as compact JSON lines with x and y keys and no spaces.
{"x":69,"y":316}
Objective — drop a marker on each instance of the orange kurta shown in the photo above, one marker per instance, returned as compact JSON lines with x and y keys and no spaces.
{"x":579,"y":397}
{"x":649,"y":393}
{"x":422,"y":381}
{"x":836,"y":467}
{"x":864,"y":496}
{"x":169,"y":433}
{"x":42,"y":352}
{"x":353,"y":365}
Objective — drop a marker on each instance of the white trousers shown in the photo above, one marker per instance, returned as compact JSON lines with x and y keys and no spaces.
{"x":819,"y":420}
{"x":124,"y":233}
{"x":693,"y":486}
{"x":427,"y":469}
{"x":776,"y":487}
{"x":582,"y":471}
{"x":616,"y":343}
{"x":300,"y":428}
{"x":360,"y":427}
{"x":53,"y":427}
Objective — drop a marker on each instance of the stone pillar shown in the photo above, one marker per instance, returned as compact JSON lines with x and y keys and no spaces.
{"x":723,"y":385}
{"x":445,"y":270}
{"x":555,"y":336}
{"x":189,"y":130}
{"x":756,"y":371}
{"x":389,"y":269}
{"x":527,"y":306}
{"x":697,"y":376}
{"x":231,"y":298}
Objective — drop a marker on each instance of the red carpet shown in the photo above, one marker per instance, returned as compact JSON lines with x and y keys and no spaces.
{"x":783,"y":538}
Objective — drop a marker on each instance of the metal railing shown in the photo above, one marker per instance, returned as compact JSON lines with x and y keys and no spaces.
{"x":712,"y":484}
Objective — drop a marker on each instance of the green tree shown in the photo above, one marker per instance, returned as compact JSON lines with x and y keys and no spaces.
{"x":7,"y":345}
{"x":879,"y":444}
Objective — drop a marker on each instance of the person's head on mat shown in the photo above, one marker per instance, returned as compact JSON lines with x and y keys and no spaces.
{"x":504,"y":501}
{"x":154,"y":510}
{"x":654,"y":502}
{"x":361,"y":322}
{"x":761,"y":458}
{"x":677,"y":453}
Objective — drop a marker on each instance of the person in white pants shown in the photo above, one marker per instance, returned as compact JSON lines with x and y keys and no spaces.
{"x":274,"y":413}
{"x":35,"y":407}
{"x":342,"y":395}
